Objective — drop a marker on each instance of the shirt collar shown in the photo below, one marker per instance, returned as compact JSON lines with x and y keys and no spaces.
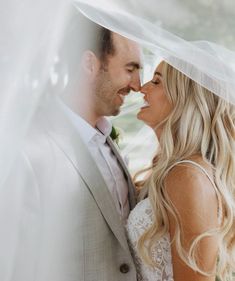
{"x":86,"y":131}
{"x":104,"y":126}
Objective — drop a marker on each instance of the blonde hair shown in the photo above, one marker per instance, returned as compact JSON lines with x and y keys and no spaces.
{"x":204,"y":124}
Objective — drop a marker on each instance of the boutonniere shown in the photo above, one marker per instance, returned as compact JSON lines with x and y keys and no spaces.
{"x":115,"y":135}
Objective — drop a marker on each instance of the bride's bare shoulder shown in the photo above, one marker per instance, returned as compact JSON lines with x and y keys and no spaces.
{"x":189,"y":187}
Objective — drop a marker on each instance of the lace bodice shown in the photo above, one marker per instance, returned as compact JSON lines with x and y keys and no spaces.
{"x":140,"y":219}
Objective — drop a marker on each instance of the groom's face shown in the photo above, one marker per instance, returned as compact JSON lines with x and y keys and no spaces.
{"x":117,"y":76}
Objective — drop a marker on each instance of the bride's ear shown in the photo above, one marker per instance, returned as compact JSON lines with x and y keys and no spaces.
{"x":90,"y":64}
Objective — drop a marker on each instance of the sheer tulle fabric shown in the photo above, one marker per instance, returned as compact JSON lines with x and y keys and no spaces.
{"x":30,"y":68}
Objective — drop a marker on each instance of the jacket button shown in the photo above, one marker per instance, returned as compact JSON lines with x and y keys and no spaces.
{"x":124,"y":268}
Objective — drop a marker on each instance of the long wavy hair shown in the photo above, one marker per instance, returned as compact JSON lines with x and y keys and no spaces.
{"x":200,"y":123}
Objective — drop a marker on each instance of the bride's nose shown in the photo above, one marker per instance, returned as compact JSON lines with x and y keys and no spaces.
{"x":144,"y":89}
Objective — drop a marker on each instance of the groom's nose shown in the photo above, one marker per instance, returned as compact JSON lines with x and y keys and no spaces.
{"x":135,"y":83}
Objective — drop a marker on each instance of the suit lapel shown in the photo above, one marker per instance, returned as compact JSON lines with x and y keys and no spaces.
{"x":131,"y":188}
{"x":68,"y":140}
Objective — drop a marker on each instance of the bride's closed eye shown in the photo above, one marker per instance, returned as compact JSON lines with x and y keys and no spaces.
{"x":155,"y":81}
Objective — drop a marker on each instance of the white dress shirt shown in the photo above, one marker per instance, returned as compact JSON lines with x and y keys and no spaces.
{"x":95,"y":140}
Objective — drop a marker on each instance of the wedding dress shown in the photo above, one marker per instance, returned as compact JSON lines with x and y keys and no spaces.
{"x":139,"y":220}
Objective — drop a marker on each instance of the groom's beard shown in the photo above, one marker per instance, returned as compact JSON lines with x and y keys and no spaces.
{"x":107,"y":97}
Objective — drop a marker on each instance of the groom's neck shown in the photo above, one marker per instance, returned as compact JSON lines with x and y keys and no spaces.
{"x":88,"y":116}
{"x":84,"y":109}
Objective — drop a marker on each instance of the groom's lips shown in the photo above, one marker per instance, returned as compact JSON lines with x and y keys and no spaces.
{"x":121,"y":97}
{"x":122,"y":93}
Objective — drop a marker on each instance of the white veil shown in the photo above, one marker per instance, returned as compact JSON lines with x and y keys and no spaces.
{"x":207,"y":63}
{"x":210,"y":63}
{"x":31,"y":33}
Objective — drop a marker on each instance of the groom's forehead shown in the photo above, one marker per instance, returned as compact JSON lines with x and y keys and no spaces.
{"x":127,"y":49}
{"x":121,"y":43}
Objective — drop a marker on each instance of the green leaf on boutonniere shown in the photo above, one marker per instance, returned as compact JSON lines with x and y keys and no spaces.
{"x":114,"y":135}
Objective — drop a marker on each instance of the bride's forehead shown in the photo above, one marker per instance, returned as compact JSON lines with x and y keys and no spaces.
{"x":159,"y":67}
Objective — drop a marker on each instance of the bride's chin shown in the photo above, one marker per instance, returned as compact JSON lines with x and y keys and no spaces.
{"x":139,"y":116}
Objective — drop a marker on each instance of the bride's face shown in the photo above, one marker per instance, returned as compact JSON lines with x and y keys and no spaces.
{"x":158,"y":105}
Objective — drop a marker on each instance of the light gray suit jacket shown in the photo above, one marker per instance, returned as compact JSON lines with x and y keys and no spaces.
{"x":71,"y":230}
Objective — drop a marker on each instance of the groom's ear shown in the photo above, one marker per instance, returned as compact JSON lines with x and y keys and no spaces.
{"x":90,"y":64}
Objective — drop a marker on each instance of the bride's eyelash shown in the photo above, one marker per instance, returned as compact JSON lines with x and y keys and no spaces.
{"x":155,"y":82}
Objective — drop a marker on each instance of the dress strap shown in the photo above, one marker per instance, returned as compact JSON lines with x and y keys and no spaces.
{"x":210,"y":179}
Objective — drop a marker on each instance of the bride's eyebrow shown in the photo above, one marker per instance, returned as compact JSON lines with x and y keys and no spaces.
{"x":157,"y":73}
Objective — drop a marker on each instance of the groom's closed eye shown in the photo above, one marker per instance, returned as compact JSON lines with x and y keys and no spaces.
{"x":132,"y":66}
{"x":130,"y":69}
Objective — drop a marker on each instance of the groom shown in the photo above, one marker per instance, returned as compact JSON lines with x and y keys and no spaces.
{"x":80,"y":190}
{"x":108,"y":71}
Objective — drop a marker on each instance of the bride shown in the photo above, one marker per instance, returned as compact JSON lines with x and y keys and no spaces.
{"x":183,"y":226}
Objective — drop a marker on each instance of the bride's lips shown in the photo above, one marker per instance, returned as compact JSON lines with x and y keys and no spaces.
{"x":145,"y":105}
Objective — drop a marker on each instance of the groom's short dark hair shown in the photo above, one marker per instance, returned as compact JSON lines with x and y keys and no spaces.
{"x":81,"y":34}
{"x":106,"y":44}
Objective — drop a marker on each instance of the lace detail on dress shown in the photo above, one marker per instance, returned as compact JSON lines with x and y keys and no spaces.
{"x":140,"y":219}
